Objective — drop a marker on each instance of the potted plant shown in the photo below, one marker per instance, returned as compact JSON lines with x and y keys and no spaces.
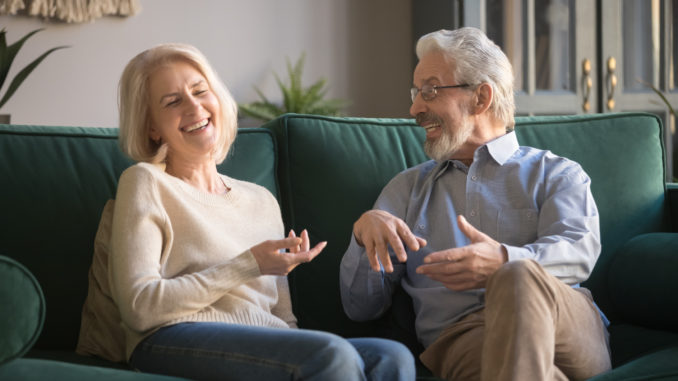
{"x":7,"y":54}
{"x":296,"y":98}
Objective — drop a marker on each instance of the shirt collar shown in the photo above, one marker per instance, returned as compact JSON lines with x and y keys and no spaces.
{"x":503,"y":147}
{"x":500,"y":149}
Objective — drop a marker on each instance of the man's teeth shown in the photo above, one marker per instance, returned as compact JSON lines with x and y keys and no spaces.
{"x":430,"y":126}
{"x":194,"y":127}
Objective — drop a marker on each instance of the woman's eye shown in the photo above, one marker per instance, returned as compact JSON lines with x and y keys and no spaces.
{"x":200,"y":92}
{"x":172,"y":103}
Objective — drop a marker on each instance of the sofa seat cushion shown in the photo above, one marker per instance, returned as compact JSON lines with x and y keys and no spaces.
{"x":660,"y":365}
{"x":630,"y":342}
{"x":23,"y":307}
{"x":36,"y":369}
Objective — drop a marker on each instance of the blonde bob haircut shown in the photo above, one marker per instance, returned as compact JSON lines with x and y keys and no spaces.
{"x":475,"y":59}
{"x":134,"y":102}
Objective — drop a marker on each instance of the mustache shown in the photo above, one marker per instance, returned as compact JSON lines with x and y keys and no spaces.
{"x":424,"y":117}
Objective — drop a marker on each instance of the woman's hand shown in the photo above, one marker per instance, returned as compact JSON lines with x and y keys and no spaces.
{"x":272,"y":262}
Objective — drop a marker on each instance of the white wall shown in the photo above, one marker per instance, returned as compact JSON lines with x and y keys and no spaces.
{"x":363,"y":47}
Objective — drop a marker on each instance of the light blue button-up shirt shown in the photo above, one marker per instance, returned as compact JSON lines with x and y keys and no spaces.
{"x":536,"y":204}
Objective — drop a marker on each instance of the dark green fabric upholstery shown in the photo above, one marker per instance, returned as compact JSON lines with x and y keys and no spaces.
{"x":325,"y":172}
{"x":23,"y":309}
{"x":331,"y":171}
{"x":39,"y":370}
{"x":630,"y":341}
{"x":660,"y":366}
{"x":654,"y":259}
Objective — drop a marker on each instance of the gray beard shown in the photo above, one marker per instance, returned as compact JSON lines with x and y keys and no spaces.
{"x":448,"y":143}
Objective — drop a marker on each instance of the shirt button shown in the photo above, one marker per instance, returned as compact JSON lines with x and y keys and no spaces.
{"x":474,"y":177}
{"x":473,"y":213}
{"x":421,"y":226}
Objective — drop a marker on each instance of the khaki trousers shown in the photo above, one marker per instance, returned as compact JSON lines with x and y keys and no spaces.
{"x":533,"y":327}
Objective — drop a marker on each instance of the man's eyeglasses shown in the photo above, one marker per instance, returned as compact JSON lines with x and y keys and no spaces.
{"x":429,"y":92}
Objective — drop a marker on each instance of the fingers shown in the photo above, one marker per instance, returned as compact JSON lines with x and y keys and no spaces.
{"x":471,"y":232}
{"x":377,"y":230}
{"x":372,"y":253}
{"x":278,"y":244}
{"x":297,"y":248}
{"x":451,"y":255}
{"x":305,"y":242}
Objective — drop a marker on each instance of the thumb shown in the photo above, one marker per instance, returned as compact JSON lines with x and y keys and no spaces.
{"x":471,"y":232}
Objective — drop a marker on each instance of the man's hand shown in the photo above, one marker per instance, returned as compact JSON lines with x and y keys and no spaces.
{"x":376,"y":230}
{"x":467,"y":267}
{"x":272,"y":262}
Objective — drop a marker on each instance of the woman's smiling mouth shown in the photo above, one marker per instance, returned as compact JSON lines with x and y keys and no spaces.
{"x":201,"y":124}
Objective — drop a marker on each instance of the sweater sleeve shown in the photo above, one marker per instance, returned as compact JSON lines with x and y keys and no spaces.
{"x":283,"y":309}
{"x":145,"y":299}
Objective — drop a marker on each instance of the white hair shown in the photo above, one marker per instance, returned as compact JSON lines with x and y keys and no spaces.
{"x":476,"y":59}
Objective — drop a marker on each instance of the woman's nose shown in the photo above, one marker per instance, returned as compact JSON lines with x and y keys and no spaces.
{"x":193,"y":105}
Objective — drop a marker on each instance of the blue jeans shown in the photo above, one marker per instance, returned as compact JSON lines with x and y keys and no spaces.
{"x":220,"y":351}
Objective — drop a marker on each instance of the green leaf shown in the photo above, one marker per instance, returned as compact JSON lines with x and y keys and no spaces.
{"x":8,"y":53}
{"x":23,"y":74}
{"x":661,"y":95}
{"x":262,"y":111}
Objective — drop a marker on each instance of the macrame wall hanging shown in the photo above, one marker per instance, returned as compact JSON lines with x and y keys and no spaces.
{"x":70,"y":10}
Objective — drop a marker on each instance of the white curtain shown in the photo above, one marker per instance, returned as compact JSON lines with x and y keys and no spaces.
{"x":70,"y":10}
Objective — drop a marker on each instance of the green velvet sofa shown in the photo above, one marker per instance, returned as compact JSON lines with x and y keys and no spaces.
{"x":325,"y":171}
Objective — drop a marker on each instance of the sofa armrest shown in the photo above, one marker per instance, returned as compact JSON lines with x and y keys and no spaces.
{"x":643,"y":280}
{"x":672,"y":197}
{"x":23,"y":309}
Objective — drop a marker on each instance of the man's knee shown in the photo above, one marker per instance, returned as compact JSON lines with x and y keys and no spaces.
{"x":514,"y":272}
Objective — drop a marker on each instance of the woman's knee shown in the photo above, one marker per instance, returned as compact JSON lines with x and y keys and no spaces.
{"x":333,"y":353}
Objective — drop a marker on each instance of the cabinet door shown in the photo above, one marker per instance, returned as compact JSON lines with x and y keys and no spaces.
{"x":638,"y":54}
{"x":552,"y":46}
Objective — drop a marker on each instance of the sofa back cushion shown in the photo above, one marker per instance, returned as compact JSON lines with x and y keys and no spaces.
{"x":332,"y":170}
{"x":55,"y":182}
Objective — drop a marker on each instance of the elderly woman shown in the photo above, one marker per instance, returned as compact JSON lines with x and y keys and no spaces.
{"x":197,"y":261}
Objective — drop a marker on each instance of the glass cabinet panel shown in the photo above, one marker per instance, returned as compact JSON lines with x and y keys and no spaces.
{"x":641,"y":44}
{"x":506,"y":27}
{"x":550,"y":25}
{"x":553,"y":36}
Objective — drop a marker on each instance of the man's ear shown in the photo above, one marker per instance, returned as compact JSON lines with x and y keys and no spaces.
{"x":483,"y":98}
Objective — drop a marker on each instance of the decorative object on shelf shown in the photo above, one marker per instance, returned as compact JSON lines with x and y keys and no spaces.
{"x":296,"y":98}
{"x":7,"y":54}
{"x":70,"y":11}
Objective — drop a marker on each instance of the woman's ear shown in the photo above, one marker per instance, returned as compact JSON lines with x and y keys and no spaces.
{"x":153,"y":133}
{"x":483,"y":98}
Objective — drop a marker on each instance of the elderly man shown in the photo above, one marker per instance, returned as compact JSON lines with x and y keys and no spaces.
{"x":490,"y":239}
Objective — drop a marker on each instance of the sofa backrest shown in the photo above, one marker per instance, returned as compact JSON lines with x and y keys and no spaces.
{"x":623,"y":153}
{"x":54,"y":184}
{"x":332,"y":170}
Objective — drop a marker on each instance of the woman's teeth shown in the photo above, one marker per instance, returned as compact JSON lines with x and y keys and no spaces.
{"x":196,"y":126}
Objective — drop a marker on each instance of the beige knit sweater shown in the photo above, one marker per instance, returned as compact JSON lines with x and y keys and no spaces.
{"x":178,"y":254}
